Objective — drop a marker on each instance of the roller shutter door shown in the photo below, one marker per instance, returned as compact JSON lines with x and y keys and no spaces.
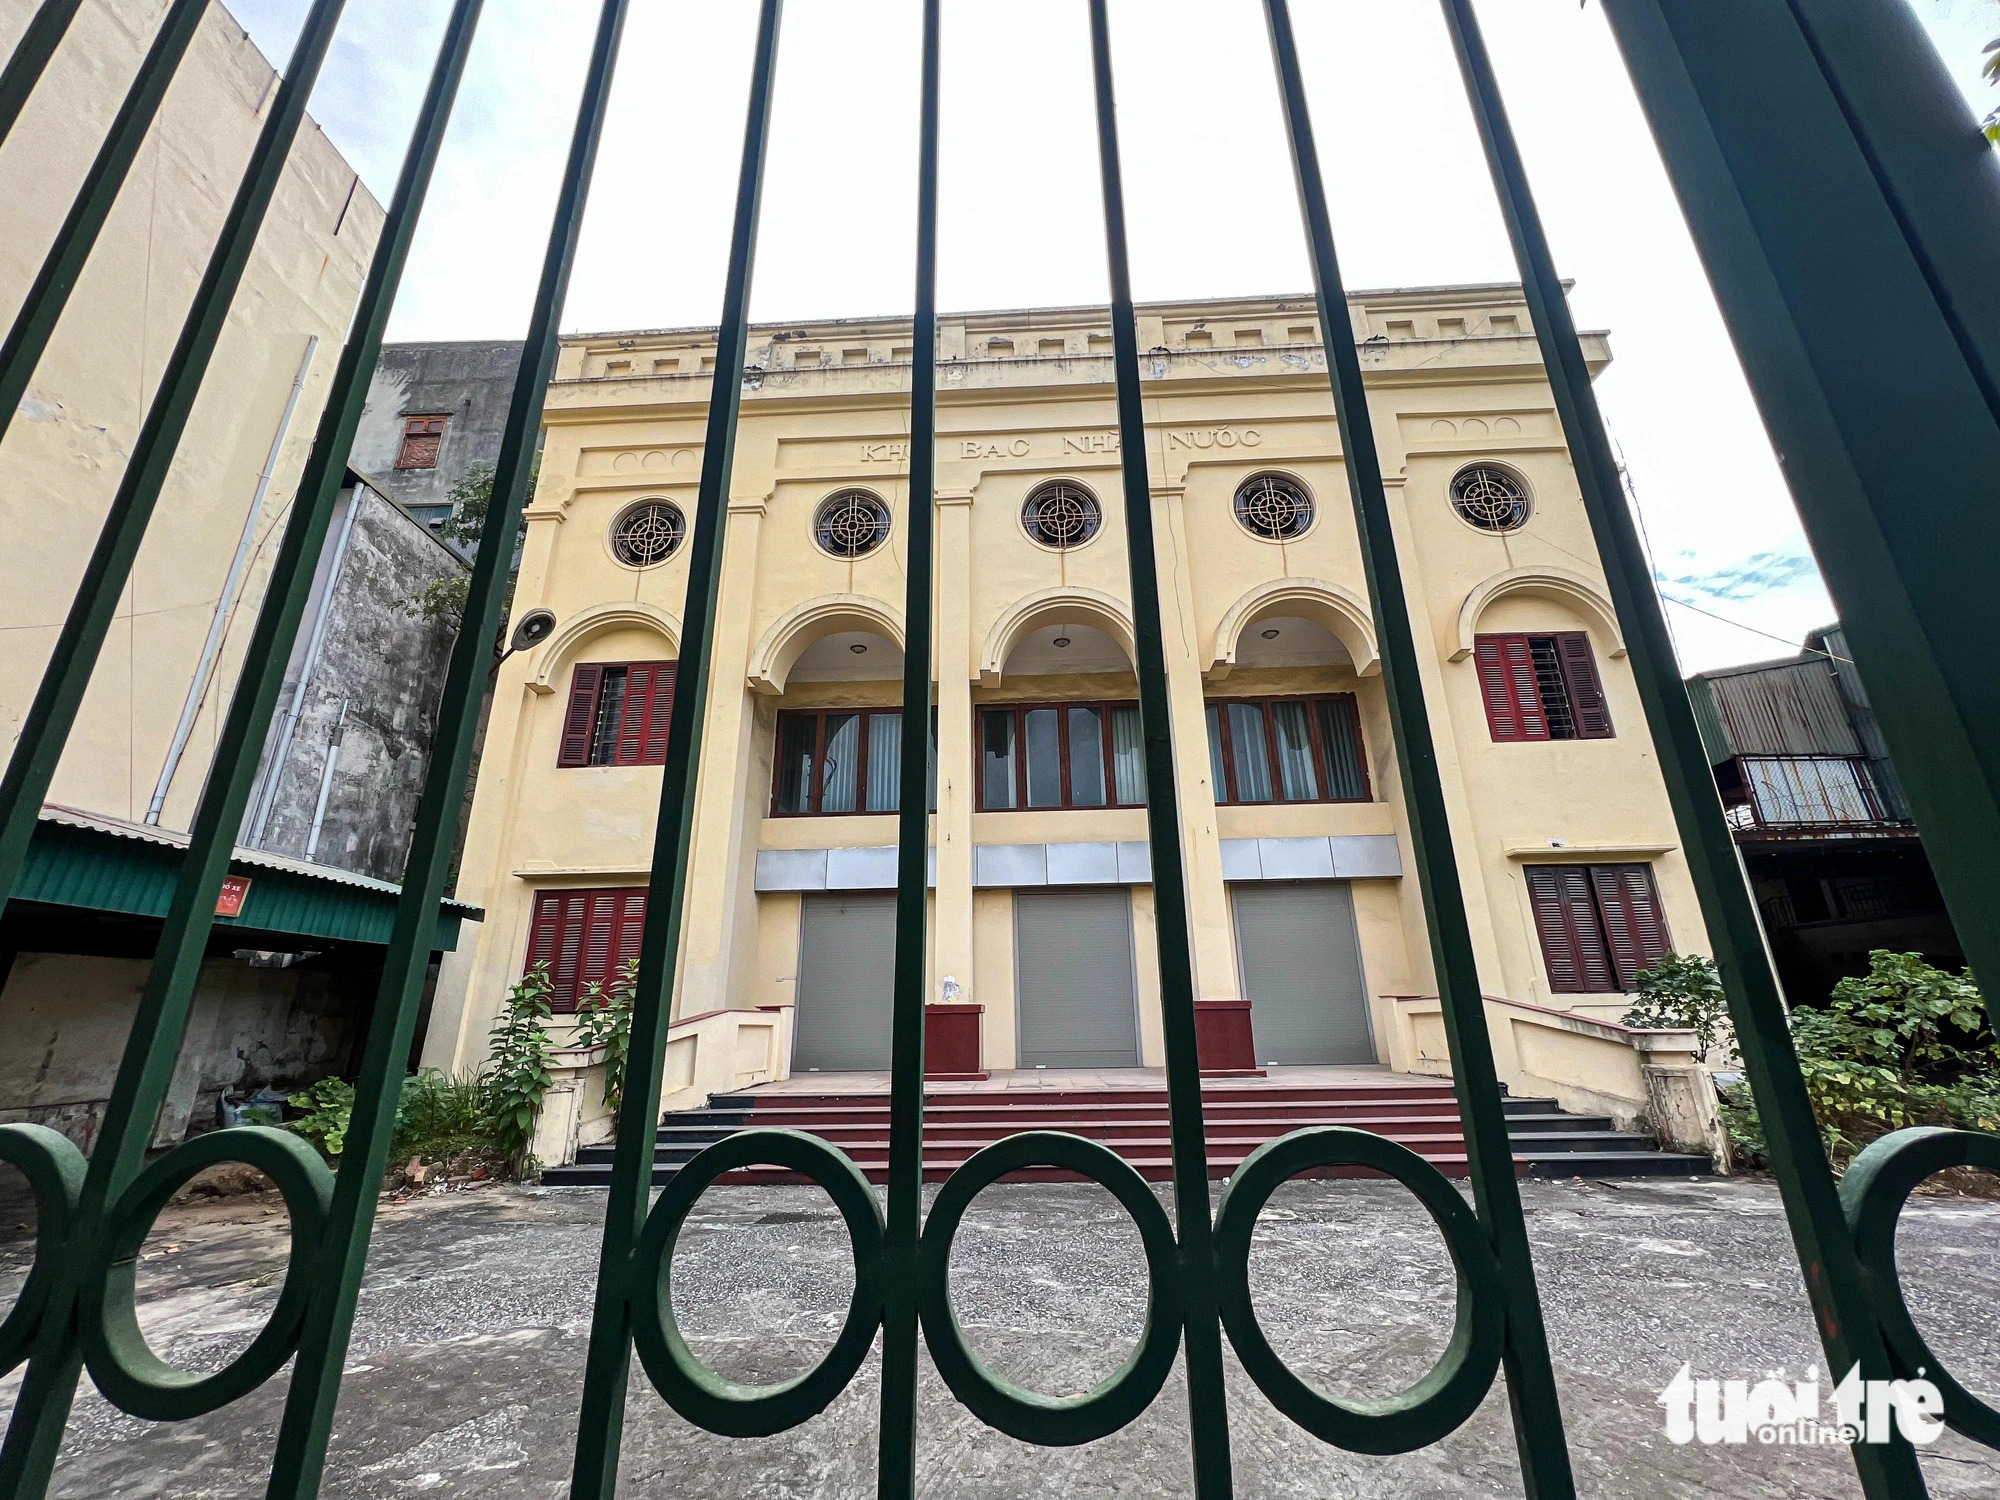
{"x":1073,"y":979}
{"x":847,"y":972}
{"x":1301,"y":967}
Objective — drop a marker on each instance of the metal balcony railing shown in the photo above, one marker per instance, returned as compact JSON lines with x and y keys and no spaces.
{"x":1808,"y":793}
{"x":1846,"y":211}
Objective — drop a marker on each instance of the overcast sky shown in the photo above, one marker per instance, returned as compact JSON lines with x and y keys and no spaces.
{"x":1210,"y":197}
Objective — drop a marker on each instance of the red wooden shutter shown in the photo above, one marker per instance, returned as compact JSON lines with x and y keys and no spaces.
{"x":633,"y":712}
{"x":1507,"y":683}
{"x":653,"y":747}
{"x":631,"y":927}
{"x":1633,"y":922}
{"x":1586,"y":691}
{"x":580,"y":720}
{"x":1566,"y":921}
{"x":555,"y":938}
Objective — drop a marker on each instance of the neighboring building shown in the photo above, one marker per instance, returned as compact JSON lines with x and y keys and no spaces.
{"x":434,"y":412}
{"x":1825,"y":831}
{"x":345,"y":756}
{"x":290,"y":976}
{"x":1301,"y":891}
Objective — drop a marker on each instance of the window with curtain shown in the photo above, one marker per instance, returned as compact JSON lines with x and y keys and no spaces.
{"x":1287,"y":750}
{"x":841,"y":760}
{"x":1061,"y":755}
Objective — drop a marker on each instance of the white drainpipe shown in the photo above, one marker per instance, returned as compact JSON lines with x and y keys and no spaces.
{"x":274,"y":772}
{"x":219,"y":626}
{"x":326,"y":778}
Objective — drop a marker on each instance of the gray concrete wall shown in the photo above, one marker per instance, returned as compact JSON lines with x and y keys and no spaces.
{"x":386,"y":668}
{"x":469,"y":382}
{"x":64,"y":1019}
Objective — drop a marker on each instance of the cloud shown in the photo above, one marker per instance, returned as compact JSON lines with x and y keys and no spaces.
{"x":1747,"y":578}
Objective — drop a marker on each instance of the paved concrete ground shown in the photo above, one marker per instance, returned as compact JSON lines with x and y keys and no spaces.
{"x":467,"y":1355}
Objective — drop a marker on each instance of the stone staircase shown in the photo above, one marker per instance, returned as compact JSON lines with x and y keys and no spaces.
{"x":1133,"y":1122}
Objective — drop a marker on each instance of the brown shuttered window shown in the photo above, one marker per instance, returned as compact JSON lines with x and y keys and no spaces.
{"x":585,"y":936}
{"x":617,"y":714}
{"x":1541,"y":687}
{"x":1600,"y":925}
{"x":423,"y":437}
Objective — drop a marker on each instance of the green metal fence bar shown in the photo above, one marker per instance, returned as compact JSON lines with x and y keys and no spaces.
{"x":1846,"y":208}
{"x":896,"y":1446}
{"x":309,"y":1407}
{"x":1208,"y":1412}
{"x":46,"y":727}
{"x":42,"y":309}
{"x":153,"y":1043}
{"x":1531,"y":1388}
{"x":1833,"y":1276}
{"x":31,"y":59}
{"x":601,"y":1422}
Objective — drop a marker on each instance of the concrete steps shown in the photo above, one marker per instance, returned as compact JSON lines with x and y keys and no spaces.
{"x":1133,"y":1123}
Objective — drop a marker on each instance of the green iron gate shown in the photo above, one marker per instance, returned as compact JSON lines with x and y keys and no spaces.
{"x":1847,"y":214}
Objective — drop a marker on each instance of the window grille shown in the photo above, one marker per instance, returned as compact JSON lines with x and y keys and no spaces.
{"x":1541,"y":687}
{"x":1062,"y":515}
{"x":647,"y":534}
{"x":1274,"y":507}
{"x":851,"y":524}
{"x":1490,"y":498}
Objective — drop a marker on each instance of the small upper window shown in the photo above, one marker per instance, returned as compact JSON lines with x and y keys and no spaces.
{"x":1274,"y":508}
{"x":1490,"y":498}
{"x":422,"y":438}
{"x":648,"y":533}
{"x":1542,"y":687}
{"x":851,"y":524}
{"x":1062,"y":515}
{"x":618,"y":714}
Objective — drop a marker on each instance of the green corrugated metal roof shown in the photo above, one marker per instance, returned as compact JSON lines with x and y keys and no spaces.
{"x":1714,"y":738}
{"x":106,"y":864}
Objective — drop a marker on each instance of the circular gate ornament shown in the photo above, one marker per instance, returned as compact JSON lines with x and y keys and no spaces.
{"x":690,"y":1387}
{"x":1490,"y":498}
{"x":647,"y":534}
{"x":1032,"y":1416}
{"x":851,"y":524}
{"x":1452,"y":1390}
{"x":1872,"y":1194}
{"x":1062,"y":516}
{"x":1273,"y":507}
{"x":132,"y":1377}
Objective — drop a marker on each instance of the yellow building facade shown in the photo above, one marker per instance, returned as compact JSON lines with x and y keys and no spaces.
{"x":1302,"y":892}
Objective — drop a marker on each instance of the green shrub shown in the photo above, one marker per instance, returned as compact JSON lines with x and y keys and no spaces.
{"x":1682,"y":991}
{"x":1906,"y":1044}
{"x":442,"y":1118}
{"x":519,"y":1078}
{"x":327,"y":1107}
{"x":604,"y":1017}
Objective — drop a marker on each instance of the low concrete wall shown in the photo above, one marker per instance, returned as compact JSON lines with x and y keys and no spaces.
{"x":715,"y":1053}
{"x":64,"y":1019}
{"x":1645,"y":1080}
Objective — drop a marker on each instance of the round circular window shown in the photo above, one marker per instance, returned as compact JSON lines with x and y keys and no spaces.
{"x":648,"y":533}
{"x":1274,"y":507}
{"x":1489,"y":497}
{"x":851,"y":524}
{"x":1062,"y":515}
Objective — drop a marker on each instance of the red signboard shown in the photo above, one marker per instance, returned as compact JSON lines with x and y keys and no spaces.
{"x":229,"y":902}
